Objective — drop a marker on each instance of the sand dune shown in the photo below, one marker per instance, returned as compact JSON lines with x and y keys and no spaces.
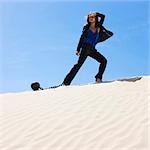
{"x":107,"y":116}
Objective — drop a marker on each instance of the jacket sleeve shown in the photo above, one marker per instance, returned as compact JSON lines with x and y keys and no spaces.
{"x":102,"y":18}
{"x":105,"y":34}
{"x":81,"y":39}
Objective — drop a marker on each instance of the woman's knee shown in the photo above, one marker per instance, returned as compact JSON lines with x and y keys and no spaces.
{"x":105,"y":61}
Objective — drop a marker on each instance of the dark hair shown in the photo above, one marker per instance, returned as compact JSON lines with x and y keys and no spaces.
{"x":96,"y":21}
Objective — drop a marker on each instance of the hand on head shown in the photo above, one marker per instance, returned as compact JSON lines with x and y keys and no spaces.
{"x":92,"y":14}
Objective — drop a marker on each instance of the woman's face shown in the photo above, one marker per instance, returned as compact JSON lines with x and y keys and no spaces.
{"x":91,"y":18}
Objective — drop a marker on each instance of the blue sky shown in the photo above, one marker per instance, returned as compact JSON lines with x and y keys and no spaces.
{"x":38,"y":41}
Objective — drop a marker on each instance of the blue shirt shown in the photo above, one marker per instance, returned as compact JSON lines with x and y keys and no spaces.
{"x":92,"y":37}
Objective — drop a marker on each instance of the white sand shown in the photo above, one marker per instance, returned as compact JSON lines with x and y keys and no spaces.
{"x":107,"y":116}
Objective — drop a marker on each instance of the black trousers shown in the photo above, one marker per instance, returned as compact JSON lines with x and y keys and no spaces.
{"x":86,"y":51}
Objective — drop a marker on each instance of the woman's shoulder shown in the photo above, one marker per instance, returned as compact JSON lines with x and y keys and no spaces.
{"x":85,"y":27}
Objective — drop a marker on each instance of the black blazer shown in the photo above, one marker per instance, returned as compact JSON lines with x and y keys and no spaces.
{"x":104,"y":33}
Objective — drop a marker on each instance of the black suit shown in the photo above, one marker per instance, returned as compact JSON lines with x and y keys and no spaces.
{"x":88,"y":50}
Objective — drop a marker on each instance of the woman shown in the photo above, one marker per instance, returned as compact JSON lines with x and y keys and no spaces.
{"x":93,"y":33}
